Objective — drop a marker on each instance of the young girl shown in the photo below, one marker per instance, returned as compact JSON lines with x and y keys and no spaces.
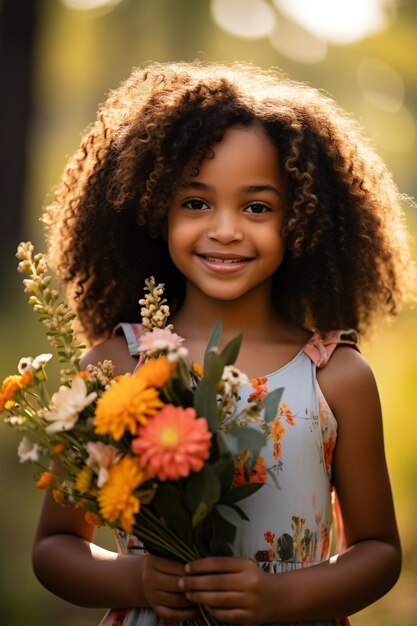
{"x":258,"y":202}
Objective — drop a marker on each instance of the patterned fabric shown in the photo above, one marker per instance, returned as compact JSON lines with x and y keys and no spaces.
{"x":291,"y":516}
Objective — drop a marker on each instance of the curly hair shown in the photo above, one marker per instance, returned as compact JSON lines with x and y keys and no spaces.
{"x":347,"y":260}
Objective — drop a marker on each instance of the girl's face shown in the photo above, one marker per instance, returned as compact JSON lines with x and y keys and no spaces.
{"x":224,"y":225}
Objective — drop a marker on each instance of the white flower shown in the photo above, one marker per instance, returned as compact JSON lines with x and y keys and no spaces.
{"x":28,"y":451}
{"x":27,"y":364}
{"x":67,"y":404}
{"x":101,"y":458}
{"x":233,"y":378}
{"x":41,"y":360}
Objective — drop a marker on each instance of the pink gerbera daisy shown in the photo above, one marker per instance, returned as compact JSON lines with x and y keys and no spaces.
{"x":159,"y":339}
{"x":173,"y":443}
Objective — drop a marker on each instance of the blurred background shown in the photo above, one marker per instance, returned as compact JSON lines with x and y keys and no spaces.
{"x":58,"y":59}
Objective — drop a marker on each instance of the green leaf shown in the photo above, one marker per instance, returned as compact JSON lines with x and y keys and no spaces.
{"x":205,"y":403}
{"x":271,"y":403}
{"x":225,"y":470}
{"x":170,"y":506}
{"x":202,"y":492}
{"x":216,"y":335}
{"x":230,"y":352}
{"x":229,"y":514}
{"x":240,"y":493}
{"x":213,"y":367}
{"x":248,"y":438}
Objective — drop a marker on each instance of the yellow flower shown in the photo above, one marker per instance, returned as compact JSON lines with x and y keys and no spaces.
{"x":124,"y":406}
{"x":155,"y":372}
{"x":83,"y":480}
{"x":116,"y":498}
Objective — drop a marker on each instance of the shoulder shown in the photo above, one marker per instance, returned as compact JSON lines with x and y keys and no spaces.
{"x":115,"y":349}
{"x":348,"y":380}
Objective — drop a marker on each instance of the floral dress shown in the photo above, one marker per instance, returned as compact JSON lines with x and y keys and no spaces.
{"x":291,"y":516}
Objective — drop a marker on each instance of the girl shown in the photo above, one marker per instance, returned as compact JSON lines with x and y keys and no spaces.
{"x":258,"y":202}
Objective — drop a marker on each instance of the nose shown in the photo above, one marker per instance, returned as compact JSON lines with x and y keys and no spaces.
{"x":225,"y":226}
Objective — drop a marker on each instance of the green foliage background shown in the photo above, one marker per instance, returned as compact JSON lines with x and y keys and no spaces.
{"x":79,"y":56}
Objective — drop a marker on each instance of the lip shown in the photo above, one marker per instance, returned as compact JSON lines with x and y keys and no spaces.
{"x":226,"y":263}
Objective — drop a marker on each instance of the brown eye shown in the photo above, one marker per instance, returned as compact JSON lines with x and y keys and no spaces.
{"x":195,"y":204}
{"x":257,"y":208}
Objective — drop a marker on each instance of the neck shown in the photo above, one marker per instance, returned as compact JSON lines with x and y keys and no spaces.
{"x":253,"y":314}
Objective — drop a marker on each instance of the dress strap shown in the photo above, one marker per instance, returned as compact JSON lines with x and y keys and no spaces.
{"x":133,"y":333}
{"x":321,"y":347}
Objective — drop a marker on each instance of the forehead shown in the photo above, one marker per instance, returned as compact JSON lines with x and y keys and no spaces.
{"x":245,"y":152}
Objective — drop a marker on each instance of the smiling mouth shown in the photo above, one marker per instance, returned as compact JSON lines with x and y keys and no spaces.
{"x":227,"y":260}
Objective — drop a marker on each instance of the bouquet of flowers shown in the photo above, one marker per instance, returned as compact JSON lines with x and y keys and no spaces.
{"x":154,"y":452}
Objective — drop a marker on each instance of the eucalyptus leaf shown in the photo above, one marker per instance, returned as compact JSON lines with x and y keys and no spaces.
{"x":215,"y":337}
{"x":229,"y":514}
{"x":271,"y":403}
{"x":230,"y":352}
{"x":240,"y":493}
{"x":248,"y":438}
{"x":205,"y":403}
{"x":202,"y":491}
{"x":225,"y":470}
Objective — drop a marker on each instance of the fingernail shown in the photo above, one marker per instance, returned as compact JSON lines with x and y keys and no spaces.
{"x":181,"y":583}
{"x":187,"y":568}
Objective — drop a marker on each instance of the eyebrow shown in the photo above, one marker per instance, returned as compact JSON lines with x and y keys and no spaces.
{"x":193,"y":184}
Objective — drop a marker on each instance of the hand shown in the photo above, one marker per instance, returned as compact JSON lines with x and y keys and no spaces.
{"x":160,"y":578}
{"x":231,"y":589}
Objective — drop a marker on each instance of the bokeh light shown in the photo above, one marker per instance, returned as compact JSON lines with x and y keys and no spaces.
{"x":338,"y":21}
{"x":249,"y":19}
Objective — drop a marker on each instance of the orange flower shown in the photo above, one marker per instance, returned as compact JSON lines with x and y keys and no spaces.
{"x":3,"y":402}
{"x":116,"y":498}
{"x":173,"y":443}
{"x":285,"y":411}
{"x":257,"y":475}
{"x":269,"y":537}
{"x":10,"y":386}
{"x":261,"y":388}
{"x":58,"y":448}
{"x":124,"y":406}
{"x":155,"y":372}
{"x":93,"y":519}
{"x":329,"y":443}
{"x":57,"y":496}
{"x":197,"y":369}
{"x":278,"y":430}
{"x":45,"y":481}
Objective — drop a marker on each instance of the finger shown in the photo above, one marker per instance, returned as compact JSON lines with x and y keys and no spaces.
{"x":214,"y":599}
{"x":214,"y":564}
{"x":172,"y":600}
{"x":211,"y":582}
{"x":167,"y":566}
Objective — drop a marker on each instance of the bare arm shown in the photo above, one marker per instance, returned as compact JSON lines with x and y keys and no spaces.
{"x":371,"y":564}
{"x":67,"y":562}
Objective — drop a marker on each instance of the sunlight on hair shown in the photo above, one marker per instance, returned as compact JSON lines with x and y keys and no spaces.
{"x":381,"y":85}
{"x":248,"y":19}
{"x":297,"y":43}
{"x":85,"y":5}
{"x":338,"y":21}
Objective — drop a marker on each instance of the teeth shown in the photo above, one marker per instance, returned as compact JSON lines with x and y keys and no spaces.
{"x":216,"y":260}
